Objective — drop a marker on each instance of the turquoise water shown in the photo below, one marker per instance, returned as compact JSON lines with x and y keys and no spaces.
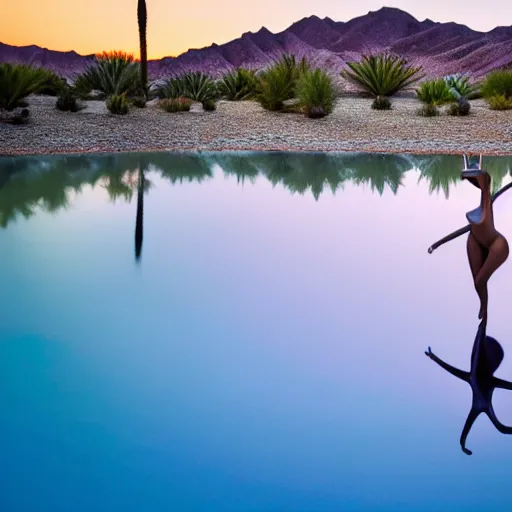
{"x":263,"y":352}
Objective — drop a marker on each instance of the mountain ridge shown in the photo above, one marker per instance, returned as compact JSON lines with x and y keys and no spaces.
{"x":440,"y":47}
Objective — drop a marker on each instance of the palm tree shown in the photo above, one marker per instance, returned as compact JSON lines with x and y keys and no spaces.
{"x":142,"y":18}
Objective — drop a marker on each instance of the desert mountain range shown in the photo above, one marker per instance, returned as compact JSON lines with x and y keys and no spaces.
{"x":440,"y":48}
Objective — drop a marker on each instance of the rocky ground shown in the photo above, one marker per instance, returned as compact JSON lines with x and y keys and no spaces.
{"x":353,"y":126}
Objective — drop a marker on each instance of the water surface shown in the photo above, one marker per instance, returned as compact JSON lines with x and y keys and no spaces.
{"x":264,"y":352}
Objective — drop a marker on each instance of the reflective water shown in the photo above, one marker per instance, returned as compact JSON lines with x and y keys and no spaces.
{"x":265,"y":352}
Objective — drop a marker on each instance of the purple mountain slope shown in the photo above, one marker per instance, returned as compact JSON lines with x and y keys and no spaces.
{"x":439,"y":47}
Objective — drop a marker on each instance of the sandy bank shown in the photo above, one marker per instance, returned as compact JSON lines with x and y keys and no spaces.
{"x":353,"y":126}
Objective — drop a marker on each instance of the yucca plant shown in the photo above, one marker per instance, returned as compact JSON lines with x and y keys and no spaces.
{"x":382,"y":75}
{"x":118,"y":104}
{"x":17,"y":81}
{"x":112,"y":73}
{"x":238,"y":85}
{"x":173,"y":87}
{"x":315,"y":92}
{"x":199,"y":86}
{"x":434,"y":92}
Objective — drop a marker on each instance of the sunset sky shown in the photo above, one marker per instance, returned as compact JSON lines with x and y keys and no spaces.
{"x":174,"y":27}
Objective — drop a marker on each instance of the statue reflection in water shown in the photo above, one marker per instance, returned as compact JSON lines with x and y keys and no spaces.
{"x":487,"y":249}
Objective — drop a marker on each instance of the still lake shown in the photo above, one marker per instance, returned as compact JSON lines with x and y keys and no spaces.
{"x":247,"y":333}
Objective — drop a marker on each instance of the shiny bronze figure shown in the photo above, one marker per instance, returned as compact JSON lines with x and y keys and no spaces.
{"x":486,"y":357}
{"x":465,"y":229}
{"x":487,"y":249}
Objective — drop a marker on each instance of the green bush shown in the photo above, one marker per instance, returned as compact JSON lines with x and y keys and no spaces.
{"x":497,"y":83}
{"x":238,"y":85}
{"x":53,"y":83}
{"x":382,"y":75}
{"x":434,"y":92}
{"x":17,"y":81}
{"x":381,"y":103}
{"x":275,"y":86}
{"x":209,"y":105}
{"x":499,"y":102}
{"x":428,"y":110}
{"x":67,"y":100}
{"x":175,"y":104}
{"x":118,"y":104}
{"x":139,"y":101}
{"x":112,"y":73}
{"x":315,"y":92}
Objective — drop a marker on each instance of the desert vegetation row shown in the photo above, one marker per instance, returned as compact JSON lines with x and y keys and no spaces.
{"x":287,"y":85}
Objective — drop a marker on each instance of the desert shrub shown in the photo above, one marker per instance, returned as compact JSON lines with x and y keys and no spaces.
{"x":382,"y":75}
{"x":67,"y":100}
{"x":315,"y":92}
{"x":118,"y":104}
{"x":238,"y":85}
{"x":499,"y":102}
{"x":172,"y":88}
{"x":199,"y":86}
{"x":381,"y":103}
{"x":17,"y":81}
{"x":209,"y":105}
{"x":497,"y":83}
{"x":112,"y":73}
{"x":428,"y":110}
{"x":53,"y":83}
{"x":139,"y":101}
{"x":275,"y":86}
{"x":460,"y":108}
{"x":434,"y":92}
{"x":294,"y":69}
{"x":175,"y":104}
{"x":460,"y":85}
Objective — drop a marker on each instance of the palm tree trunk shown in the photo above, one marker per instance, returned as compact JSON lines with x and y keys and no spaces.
{"x":139,"y":221}
{"x":142,"y":18}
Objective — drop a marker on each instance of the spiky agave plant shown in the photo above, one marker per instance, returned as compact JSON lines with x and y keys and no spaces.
{"x":17,"y":81}
{"x":238,"y":85}
{"x":382,"y":75}
{"x":112,"y":73}
{"x":461,"y":85}
{"x":315,"y":92}
{"x":142,"y":19}
{"x":173,"y":87}
{"x":199,"y":86}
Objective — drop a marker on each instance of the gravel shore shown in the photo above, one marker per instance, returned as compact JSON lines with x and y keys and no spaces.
{"x":353,"y":126}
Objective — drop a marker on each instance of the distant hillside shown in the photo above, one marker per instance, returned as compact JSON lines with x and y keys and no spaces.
{"x":440,"y":47}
